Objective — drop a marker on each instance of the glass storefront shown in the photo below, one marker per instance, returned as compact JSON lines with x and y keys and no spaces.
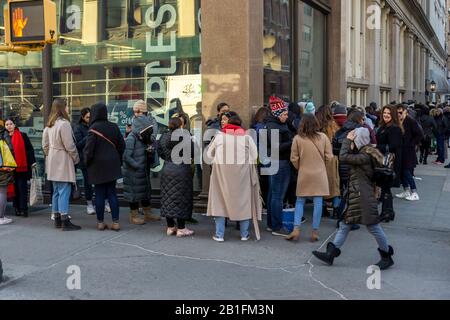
{"x":141,"y":49}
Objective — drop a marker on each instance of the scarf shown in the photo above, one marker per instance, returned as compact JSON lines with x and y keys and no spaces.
{"x":20,"y":154}
{"x":233,"y":130}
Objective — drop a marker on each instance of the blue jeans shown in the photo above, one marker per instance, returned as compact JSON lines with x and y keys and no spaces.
{"x":440,"y":143}
{"x":376,"y":231}
{"x":408,"y":179}
{"x":88,"y":190}
{"x":220,"y":227}
{"x":299,"y":211}
{"x":106,"y":191}
{"x":61,"y":197}
{"x":278,"y":186}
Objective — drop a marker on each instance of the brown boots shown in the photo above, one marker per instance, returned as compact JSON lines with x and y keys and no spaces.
{"x":315,"y":236}
{"x":295,"y":235}
{"x":134,"y":218}
{"x":149,"y":216}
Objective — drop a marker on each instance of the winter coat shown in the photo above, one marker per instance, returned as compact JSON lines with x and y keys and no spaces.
{"x":390,"y":138}
{"x":136,"y":164}
{"x":81,"y":132}
{"x":6,"y":177}
{"x":362,"y":205}
{"x":428,"y":125}
{"x":339,"y":137}
{"x":176,"y":178}
{"x":411,"y":139}
{"x":234,"y":190}
{"x":286,"y":137}
{"x":333,"y":164}
{"x":59,"y":147}
{"x":441,"y":126}
{"x":29,"y":152}
{"x":447,"y":116}
{"x":103,"y":159}
{"x":309,"y":158}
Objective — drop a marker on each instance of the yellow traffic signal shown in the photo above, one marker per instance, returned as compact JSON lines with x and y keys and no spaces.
{"x":30,"y":22}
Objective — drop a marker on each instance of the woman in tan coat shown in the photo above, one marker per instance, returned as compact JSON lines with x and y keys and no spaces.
{"x":234,"y":190}
{"x":311,"y":150}
{"x":328,"y":126}
{"x":61,"y":157}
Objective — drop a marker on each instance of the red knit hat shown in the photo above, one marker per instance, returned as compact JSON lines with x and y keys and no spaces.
{"x":277,"y":106}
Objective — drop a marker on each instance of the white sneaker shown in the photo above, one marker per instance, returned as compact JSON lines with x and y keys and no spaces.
{"x":5,"y":220}
{"x":403,"y":195}
{"x":218,"y":239}
{"x":52,"y":217}
{"x":107,"y":207}
{"x":90,"y":209}
{"x":245,"y":238}
{"x":413,"y":197}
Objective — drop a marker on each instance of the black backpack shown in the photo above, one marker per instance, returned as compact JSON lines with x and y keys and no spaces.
{"x":384,"y":175}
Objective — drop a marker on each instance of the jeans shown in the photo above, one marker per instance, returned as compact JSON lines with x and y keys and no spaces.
{"x":278,"y":186}
{"x":408,"y":179}
{"x":220,"y":227}
{"x":106,"y":191}
{"x":336,"y":202}
{"x":440,"y":142}
{"x":376,"y":231}
{"x":21,"y":189}
{"x":61,"y":197}
{"x":299,"y":211}
{"x":88,"y":190}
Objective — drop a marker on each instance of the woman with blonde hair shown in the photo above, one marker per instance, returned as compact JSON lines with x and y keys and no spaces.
{"x":61,"y":157}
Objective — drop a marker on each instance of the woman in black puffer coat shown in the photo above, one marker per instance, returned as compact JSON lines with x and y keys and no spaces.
{"x":136,"y":171}
{"x":176,"y":179}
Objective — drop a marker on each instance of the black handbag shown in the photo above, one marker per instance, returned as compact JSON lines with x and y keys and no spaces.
{"x":76,"y":193}
{"x":384,"y":176}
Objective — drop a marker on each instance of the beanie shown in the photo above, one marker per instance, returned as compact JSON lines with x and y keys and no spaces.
{"x":339,"y":109}
{"x":140,"y":105}
{"x":310,"y":108}
{"x":277,"y":106}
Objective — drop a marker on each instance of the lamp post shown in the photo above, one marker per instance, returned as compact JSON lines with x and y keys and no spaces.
{"x":433,"y":88}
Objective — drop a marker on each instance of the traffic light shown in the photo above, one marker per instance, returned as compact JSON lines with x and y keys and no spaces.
{"x":30,"y":22}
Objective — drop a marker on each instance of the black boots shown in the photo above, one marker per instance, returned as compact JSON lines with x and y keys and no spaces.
{"x":386,"y":259}
{"x":328,"y":257}
{"x":63,"y":222}
{"x":387,"y":211}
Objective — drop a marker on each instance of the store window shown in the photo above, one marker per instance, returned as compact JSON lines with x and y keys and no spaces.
{"x":117,"y":13}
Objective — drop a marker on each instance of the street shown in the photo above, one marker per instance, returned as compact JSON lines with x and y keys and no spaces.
{"x":144,"y":263}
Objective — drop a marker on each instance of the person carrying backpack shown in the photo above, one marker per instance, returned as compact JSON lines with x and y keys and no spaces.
{"x":362,"y":206}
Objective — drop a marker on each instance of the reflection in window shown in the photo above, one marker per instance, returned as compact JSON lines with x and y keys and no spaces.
{"x":137,"y":11}
{"x":116,"y":13}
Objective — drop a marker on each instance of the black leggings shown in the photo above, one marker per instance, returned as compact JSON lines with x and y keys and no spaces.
{"x":181,"y":223}
{"x":135,"y":205}
{"x":425,"y":148}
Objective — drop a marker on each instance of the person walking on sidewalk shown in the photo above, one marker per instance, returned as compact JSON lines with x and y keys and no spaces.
{"x":311,"y":150}
{"x":24,"y":155}
{"x":136,"y":170}
{"x":363,"y":206}
{"x":102,"y":156}
{"x":234,"y":190}
{"x":6,"y":178}
{"x":389,"y":138}
{"x":412,"y":137}
{"x":81,"y":132}
{"x":176,"y":179}
{"x":61,"y":157}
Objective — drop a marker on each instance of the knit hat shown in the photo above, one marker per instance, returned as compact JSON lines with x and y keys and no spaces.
{"x":277,"y":106}
{"x":362,"y":137}
{"x":140,"y":105}
{"x":339,"y":109}
{"x":310,"y":108}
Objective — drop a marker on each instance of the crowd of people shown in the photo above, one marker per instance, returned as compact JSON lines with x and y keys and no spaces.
{"x":345,"y":160}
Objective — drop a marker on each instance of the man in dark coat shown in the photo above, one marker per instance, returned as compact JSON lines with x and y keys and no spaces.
{"x":412,"y":137}
{"x":428,"y":127}
{"x":103,"y":158}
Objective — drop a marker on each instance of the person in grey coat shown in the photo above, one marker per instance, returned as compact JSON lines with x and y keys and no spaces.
{"x":136,"y":170}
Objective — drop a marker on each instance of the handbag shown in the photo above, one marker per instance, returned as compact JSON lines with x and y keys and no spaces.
{"x":76,"y":193}
{"x":385,"y":175}
{"x":36,"y":195}
{"x":7,"y":160}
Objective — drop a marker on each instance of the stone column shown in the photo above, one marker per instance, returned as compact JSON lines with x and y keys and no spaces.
{"x":232,"y":62}
{"x":373,"y":52}
{"x":410,"y":66}
{"x":395,"y":58}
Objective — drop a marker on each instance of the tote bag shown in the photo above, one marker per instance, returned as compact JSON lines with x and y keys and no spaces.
{"x":36,"y":195}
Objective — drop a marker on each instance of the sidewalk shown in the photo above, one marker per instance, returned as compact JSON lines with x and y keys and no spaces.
{"x":143,"y":263}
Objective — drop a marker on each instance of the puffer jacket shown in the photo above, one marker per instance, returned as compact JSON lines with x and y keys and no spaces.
{"x":136,"y":164}
{"x":339,"y":137}
{"x":362,"y":206}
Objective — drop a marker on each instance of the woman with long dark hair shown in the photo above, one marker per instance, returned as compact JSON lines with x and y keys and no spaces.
{"x":389,"y":138}
{"x":24,"y":155}
{"x":311,"y":150}
{"x":61,"y":157}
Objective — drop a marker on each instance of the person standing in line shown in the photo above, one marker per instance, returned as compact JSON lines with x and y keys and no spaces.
{"x":6,"y":178}
{"x":412,"y":137}
{"x":234,"y":191}
{"x":389,"y":137}
{"x":447,"y":135}
{"x":61,"y":157}
{"x":176,"y":179}
{"x":24,"y":155}
{"x":102,"y":156}
{"x":311,"y":150}
{"x":441,"y":130}
{"x":216,"y":122}
{"x":363,"y":206}
{"x":428,"y":126}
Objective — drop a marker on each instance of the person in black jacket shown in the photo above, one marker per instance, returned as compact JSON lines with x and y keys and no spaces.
{"x":280,"y":155}
{"x":412,"y":136}
{"x":24,"y":154}
{"x":447,"y":136}
{"x":389,"y":137}
{"x":103,"y":158}
{"x":81,"y":132}
{"x":440,"y":133}
{"x":428,"y":126}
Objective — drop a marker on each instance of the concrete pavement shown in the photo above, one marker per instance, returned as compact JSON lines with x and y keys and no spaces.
{"x":143,"y":263}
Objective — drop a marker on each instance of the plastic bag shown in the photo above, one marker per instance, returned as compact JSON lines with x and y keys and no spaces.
{"x":36,"y":195}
